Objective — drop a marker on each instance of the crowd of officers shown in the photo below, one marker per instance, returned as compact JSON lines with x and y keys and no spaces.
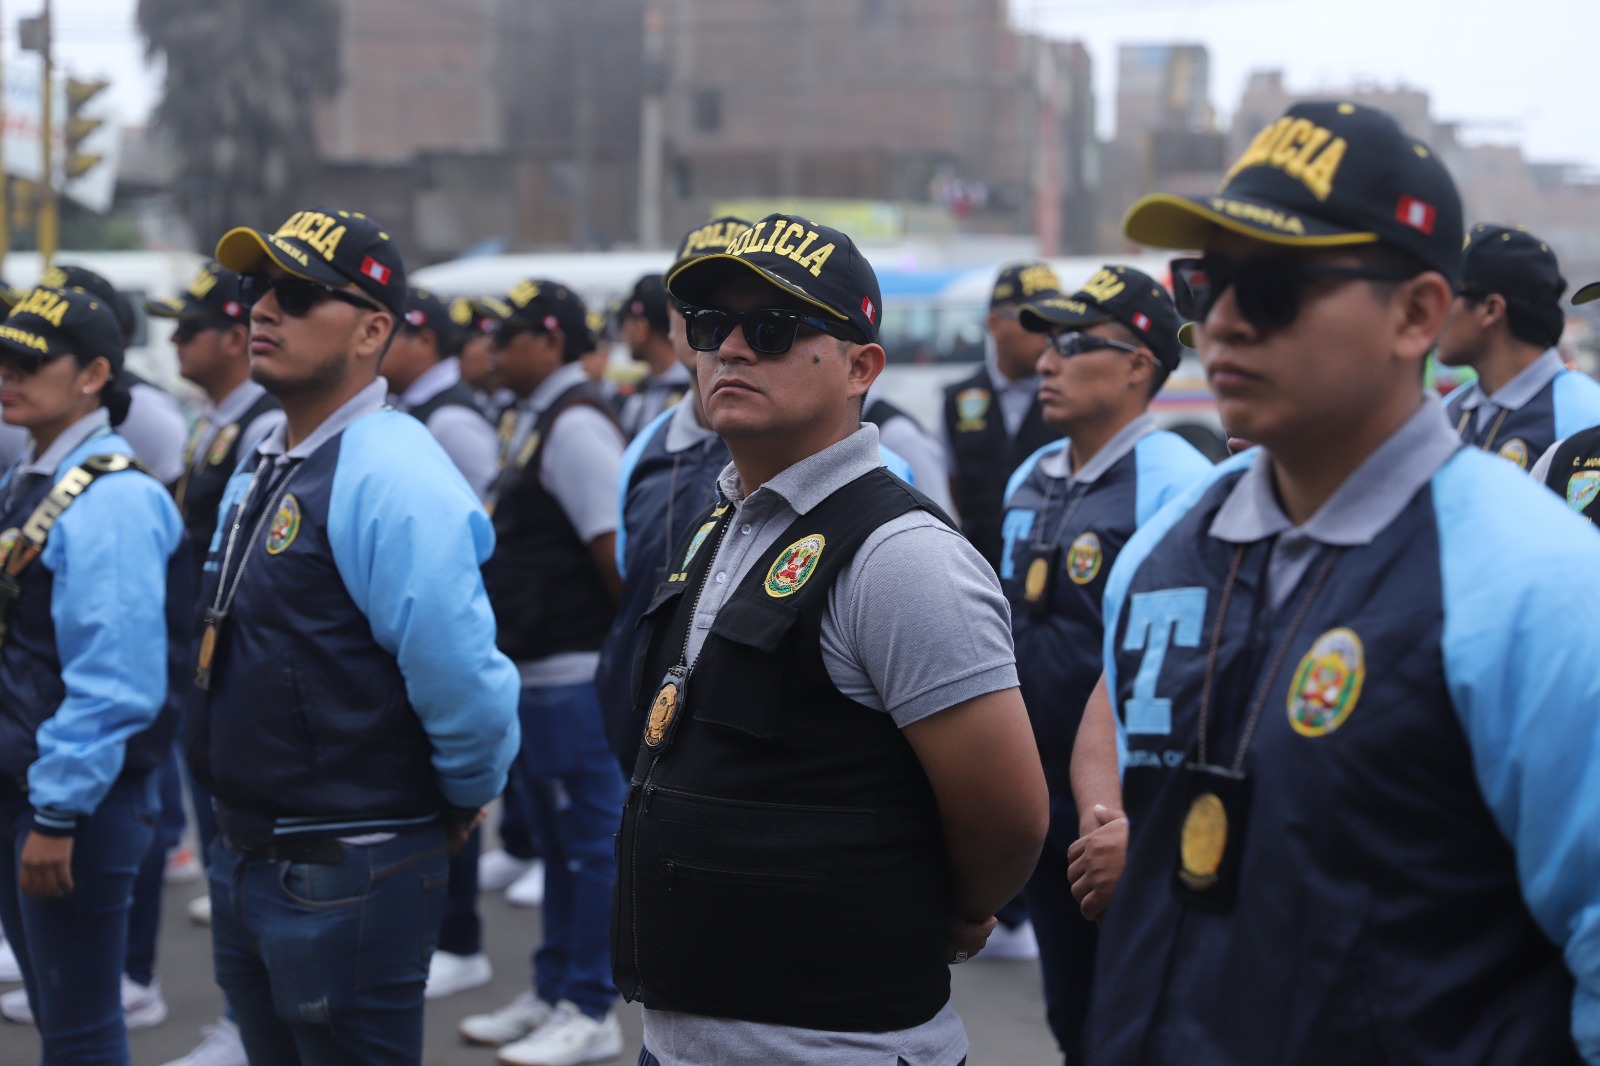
{"x":1290,"y":759}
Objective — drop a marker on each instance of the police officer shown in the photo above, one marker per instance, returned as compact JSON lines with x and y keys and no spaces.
{"x":645,"y":328}
{"x":94,"y":605}
{"x":1359,"y":746}
{"x":992,"y":420}
{"x":554,"y":586}
{"x":827,"y":807}
{"x":1505,"y":322}
{"x":668,"y":476}
{"x":1570,"y":465}
{"x":1070,"y":508}
{"x":474,"y":355}
{"x":155,"y":425}
{"x":352,"y":714}
{"x":425,"y":378}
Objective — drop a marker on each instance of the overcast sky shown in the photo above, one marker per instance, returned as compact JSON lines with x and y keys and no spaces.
{"x":1528,"y":69}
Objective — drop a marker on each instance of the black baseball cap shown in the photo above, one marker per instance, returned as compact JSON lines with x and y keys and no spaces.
{"x":424,"y":310}
{"x":1115,"y":294}
{"x":817,"y":264}
{"x":77,"y":277}
{"x":327,"y":245}
{"x":467,"y":316}
{"x":1328,"y":174}
{"x":213,"y":296}
{"x":48,"y":322}
{"x":1588,"y":293}
{"x":647,"y":300}
{"x":548,"y":306}
{"x":1513,"y":263}
{"x":1024,"y":282}
{"x":714,"y":236}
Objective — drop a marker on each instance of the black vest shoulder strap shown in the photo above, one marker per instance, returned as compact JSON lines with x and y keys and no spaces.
{"x":882,"y":410}
{"x":457,"y":395}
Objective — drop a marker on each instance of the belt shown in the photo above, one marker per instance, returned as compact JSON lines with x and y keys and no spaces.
{"x":323,"y":851}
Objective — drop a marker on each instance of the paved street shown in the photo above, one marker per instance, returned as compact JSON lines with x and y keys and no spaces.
{"x":1000,"y":1001}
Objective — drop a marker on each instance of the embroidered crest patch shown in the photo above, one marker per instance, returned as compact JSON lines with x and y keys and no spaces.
{"x":694,"y":545}
{"x":971,"y":407}
{"x":1327,"y":683}
{"x":795,"y":566}
{"x":1516,"y":451}
{"x":1582,"y":488}
{"x":8,"y":543}
{"x":285,"y":526}
{"x":219,"y":447}
{"x":1084,"y":558}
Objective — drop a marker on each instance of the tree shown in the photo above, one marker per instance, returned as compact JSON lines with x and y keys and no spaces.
{"x":243,"y":80}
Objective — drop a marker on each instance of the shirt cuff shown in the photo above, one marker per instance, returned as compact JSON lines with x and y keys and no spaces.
{"x":54,"y":823}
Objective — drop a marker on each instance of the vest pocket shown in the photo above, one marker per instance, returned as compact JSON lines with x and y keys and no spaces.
{"x":740,"y":681}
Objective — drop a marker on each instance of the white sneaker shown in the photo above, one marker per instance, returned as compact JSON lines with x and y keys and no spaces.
{"x":219,"y":1046}
{"x":10,"y":968}
{"x":449,"y":974}
{"x":1011,"y":945}
{"x":528,"y":890}
{"x":498,"y":868}
{"x":512,"y":1022}
{"x":14,"y":1007}
{"x":142,"y":1005}
{"x":200,"y":910}
{"x":183,"y":867}
{"x":568,"y":1038}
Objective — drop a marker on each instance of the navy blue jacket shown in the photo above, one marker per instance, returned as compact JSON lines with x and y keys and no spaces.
{"x":1422,"y":844}
{"x":1569,"y":403}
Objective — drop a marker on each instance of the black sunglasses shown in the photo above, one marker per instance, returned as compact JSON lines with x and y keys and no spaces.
{"x":190,"y":328}
{"x":768,"y":330}
{"x":1070,"y":342}
{"x":1268,"y":289}
{"x":506,"y":332}
{"x":297,"y":296}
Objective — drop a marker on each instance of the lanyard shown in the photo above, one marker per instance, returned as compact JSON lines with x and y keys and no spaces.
{"x":1494,"y":430}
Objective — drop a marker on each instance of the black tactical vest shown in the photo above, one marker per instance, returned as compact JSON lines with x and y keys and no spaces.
{"x":781,"y":858}
{"x":1575,"y":472}
{"x":199,"y":490}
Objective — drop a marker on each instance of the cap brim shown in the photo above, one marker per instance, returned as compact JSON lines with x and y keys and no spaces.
{"x":1042,"y":317}
{"x":1587,"y":294}
{"x":1182,"y":222}
{"x":696,"y":281}
{"x":494,"y":309}
{"x":243,"y":250}
{"x":1186,"y":335}
{"x":175,"y":307}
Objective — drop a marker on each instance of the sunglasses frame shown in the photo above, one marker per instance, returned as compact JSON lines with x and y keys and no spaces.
{"x":743,"y":319}
{"x":1275,"y":285}
{"x":291,"y":282}
{"x":1059,"y":340}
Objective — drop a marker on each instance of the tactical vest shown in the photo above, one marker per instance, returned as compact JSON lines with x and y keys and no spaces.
{"x":984,"y":456}
{"x":781,"y":857}
{"x":1575,"y":472}
{"x":882,"y":411}
{"x":1060,"y":544}
{"x":1520,"y":436}
{"x":665,"y":494}
{"x":199,"y":491}
{"x":1378,"y":915}
{"x":457,"y":395}
{"x":547,"y":592}
{"x":307,"y":717}
{"x":31,"y":688}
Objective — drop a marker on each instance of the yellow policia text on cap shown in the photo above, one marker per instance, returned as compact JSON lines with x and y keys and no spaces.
{"x":1301,"y":149}
{"x":42,"y":302}
{"x":713,"y":237}
{"x":780,"y":241}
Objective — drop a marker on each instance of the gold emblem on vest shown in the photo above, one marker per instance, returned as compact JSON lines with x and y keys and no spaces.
{"x":1204,"y":842}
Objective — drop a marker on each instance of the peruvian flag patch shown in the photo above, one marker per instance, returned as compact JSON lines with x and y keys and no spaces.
{"x":1416,"y":214}
{"x":868,"y":309}
{"x":1141,"y":322}
{"x":375,"y":270}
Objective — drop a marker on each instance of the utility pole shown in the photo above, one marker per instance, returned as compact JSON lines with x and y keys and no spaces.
{"x":652,"y":131}
{"x":5,"y":185}
{"x":49,"y":221}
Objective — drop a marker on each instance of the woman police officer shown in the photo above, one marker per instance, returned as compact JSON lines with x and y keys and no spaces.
{"x":93,"y":576}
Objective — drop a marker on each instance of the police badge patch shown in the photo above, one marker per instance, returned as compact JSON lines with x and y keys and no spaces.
{"x":971,"y":407}
{"x":285,"y":526}
{"x":1515,"y":451}
{"x":1582,"y":488}
{"x":694,"y":545}
{"x":219,"y":447}
{"x":8,"y":543}
{"x":795,"y":566}
{"x":1327,"y":684}
{"x":1084,"y":558}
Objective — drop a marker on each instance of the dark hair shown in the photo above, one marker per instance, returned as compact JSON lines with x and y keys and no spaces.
{"x":1388,"y":258}
{"x":1540,"y":325}
{"x":1158,"y":370}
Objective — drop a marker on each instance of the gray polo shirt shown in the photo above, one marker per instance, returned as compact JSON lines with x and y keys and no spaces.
{"x":1058,"y":464}
{"x":464,"y":434}
{"x":1515,"y":394}
{"x":1362,"y":507}
{"x":915,"y":624}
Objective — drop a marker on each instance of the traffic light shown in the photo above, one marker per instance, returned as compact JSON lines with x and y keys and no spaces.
{"x":78,"y":127}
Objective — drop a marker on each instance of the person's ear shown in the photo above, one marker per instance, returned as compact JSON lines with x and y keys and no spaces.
{"x":1418,"y":310}
{"x":864,"y":362}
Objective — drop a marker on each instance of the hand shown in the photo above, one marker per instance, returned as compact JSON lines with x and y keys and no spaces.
{"x":1095,"y":860}
{"x":46,"y":871}
{"x":458,"y":830}
{"x":968,"y":938}
{"x":1239,"y":444}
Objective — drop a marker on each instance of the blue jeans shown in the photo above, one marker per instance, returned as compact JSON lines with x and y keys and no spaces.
{"x":324,"y":965}
{"x":144,"y":921}
{"x":72,"y":949}
{"x":574,"y":792}
{"x":647,"y":1059}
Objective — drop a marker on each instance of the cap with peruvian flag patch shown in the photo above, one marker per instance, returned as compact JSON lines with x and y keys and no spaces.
{"x":213,"y":296}
{"x":1115,"y":294}
{"x":329,"y":245}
